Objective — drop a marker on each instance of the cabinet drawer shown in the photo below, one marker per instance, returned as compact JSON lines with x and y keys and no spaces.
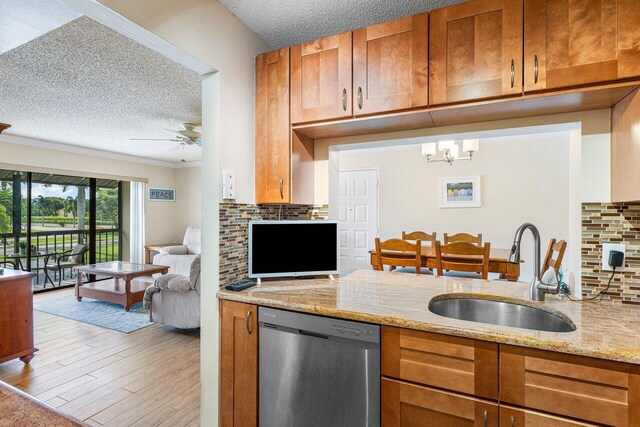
{"x":594,"y":390}
{"x":513,"y":417}
{"x":458,"y":364}
{"x":411,"y":405}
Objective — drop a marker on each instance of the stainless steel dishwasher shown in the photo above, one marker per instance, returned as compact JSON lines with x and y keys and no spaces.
{"x":317,"y":371}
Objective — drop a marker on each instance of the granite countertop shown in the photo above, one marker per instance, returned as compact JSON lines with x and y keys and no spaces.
{"x":18,"y":409}
{"x":603,"y":331}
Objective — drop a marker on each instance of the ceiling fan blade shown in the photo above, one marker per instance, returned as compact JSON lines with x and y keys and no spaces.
{"x":171,"y":130}
{"x":150,"y":139}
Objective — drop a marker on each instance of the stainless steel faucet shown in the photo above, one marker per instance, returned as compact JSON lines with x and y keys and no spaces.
{"x":537,"y":289}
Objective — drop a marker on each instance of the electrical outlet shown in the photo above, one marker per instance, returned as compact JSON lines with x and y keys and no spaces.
{"x":228,"y":185}
{"x":608,"y":247}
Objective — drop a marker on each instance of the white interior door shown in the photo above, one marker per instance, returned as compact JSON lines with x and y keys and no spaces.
{"x":358,"y":215}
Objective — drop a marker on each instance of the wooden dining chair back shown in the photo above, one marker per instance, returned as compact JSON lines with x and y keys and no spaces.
{"x":553,"y":258}
{"x":463,"y":256}
{"x":419,"y":235}
{"x":463,"y":237}
{"x":397,"y":252}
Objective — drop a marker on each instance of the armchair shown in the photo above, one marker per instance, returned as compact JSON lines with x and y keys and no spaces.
{"x":174,"y":299}
{"x":67,"y":259}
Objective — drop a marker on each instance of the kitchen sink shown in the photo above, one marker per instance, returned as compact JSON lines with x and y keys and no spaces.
{"x":500,"y":313}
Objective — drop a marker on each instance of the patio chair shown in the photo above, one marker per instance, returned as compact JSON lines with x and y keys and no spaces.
{"x":67,"y":259}
{"x":8,"y":264}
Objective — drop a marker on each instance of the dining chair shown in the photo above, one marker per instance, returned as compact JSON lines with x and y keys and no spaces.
{"x":462,"y":259}
{"x":419,"y":235}
{"x":412,"y":237}
{"x":398,"y":252}
{"x":463,"y":237}
{"x":557,"y":249}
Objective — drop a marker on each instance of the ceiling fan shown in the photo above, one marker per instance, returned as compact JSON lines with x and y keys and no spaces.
{"x":188,"y":136}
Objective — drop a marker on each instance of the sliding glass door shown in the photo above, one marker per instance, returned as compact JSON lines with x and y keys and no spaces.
{"x":56,"y":222}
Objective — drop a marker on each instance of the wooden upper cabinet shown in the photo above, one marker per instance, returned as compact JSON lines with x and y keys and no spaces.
{"x":475,"y":51}
{"x":390,"y":63}
{"x":321,"y":79}
{"x":273,"y":139}
{"x":238,"y":364}
{"x":571,"y":43}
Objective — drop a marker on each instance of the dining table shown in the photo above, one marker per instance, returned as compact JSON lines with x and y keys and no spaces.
{"x":498,"y":260}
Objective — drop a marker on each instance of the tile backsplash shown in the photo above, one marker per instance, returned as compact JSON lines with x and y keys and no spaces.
{"x":615,"y":223}
{"x":234,"y":237}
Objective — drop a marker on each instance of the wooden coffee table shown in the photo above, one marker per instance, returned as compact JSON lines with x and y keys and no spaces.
{"x":125,"y":286}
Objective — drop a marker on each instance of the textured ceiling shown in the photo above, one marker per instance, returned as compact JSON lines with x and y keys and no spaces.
{"x":86,"y":85}
{"x":24,"y":20}
{"x":288,"y":22}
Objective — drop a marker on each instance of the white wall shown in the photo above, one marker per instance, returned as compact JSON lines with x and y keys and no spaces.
{"x":524,"y":179}
{"x":188,"y":197}
{"x":160,"y":216}
{"x":211,"y":34}
{"x":596,"y":139}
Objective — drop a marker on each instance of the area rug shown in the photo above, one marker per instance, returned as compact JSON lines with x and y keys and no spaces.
{"x":104,"y":314}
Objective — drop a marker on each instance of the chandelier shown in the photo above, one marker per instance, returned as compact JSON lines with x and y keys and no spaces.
{"x":450,"y":150}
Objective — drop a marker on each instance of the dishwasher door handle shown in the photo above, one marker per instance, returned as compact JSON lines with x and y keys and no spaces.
{"x":313,"y":334}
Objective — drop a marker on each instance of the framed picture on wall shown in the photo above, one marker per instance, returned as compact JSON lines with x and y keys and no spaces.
{"x":461,"y":192}
{"x":162,"y":194}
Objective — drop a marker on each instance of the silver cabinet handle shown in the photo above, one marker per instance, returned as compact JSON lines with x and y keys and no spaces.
{"x":513,"y":421}
{"x":247,"y":321}
{"x":536,"y":69}
{"x":513,"y":73}
{"x":344,"y":99}
{"x":486,"y":419}
{"x":282,"y":188}
{"x":360,"y":100}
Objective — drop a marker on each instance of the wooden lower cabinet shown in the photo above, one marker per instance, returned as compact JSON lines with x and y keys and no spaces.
{"x":593,"y":390}
{"x":409,"y":405}
{"x":16,"y":316}
{"x":238,"y":364}
{"x":461,"y":365}
{"x":515,"y":417}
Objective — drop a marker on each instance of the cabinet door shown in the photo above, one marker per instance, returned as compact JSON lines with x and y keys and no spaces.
{"x":238,"y":364}
{"x":513,"y":417}
{"x":572,"y":43}
{"x":321,"y":79}
{"x":458,"y":364}
{"x":475,"y":51}
{"x":273,"y":152}
{"x":390,"y":65}
{"x":405,"y":404}
{"x":594,"y":390}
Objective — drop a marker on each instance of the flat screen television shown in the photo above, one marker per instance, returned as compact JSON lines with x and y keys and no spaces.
{"x":293,"y":248}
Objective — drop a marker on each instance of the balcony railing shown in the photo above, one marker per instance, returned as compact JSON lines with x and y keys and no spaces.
{"x":47,"y":245}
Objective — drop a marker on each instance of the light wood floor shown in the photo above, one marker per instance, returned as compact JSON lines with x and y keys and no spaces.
{"x":150,"y":377}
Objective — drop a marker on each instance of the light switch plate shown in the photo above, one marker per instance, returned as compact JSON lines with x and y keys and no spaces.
{"x":608,"y":247}
{"x":229,"y":185}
